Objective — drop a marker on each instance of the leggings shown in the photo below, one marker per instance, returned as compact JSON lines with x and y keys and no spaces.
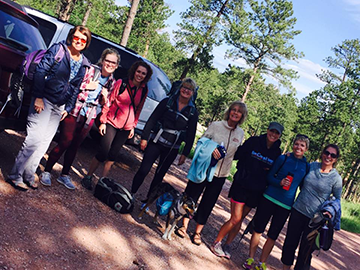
{"x":209,"y":198}
{"x":152,"y":152}
{"x":111,"y":143}
{"x":72,"y":134}
{"x":297,"y":229}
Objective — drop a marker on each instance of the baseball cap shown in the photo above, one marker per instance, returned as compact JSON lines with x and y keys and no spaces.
{"x":276,"y":126}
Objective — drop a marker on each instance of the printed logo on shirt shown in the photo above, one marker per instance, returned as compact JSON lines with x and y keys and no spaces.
{"x":236,"y":140}
{"x":260,"y":157}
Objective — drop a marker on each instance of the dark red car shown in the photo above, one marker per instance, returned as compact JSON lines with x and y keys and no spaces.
{"x":19,"y":35}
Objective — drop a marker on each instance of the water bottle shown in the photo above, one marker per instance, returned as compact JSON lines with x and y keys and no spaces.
{"x":323,"y":235}
{"x":222,"y":150}
{"x":290,"y":177}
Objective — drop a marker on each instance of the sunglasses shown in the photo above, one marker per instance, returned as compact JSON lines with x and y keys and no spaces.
{"x":82,"y":40}
{"x":111,"y":63}
{"x":327,"y":153}
{"x":187,"y":89}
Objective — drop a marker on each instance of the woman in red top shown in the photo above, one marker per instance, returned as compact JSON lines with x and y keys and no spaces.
{"x":119,"y":117}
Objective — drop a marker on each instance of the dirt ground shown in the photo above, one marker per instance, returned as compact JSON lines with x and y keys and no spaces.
{"x":56,"y":228}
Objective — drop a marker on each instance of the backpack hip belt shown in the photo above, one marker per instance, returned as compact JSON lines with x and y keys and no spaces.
{"x":159,"y":138}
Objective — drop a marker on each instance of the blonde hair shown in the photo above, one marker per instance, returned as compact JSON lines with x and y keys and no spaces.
{"x":243,"y":109}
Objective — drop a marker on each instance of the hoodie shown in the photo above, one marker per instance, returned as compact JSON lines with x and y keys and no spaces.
{"x":254,"y":162}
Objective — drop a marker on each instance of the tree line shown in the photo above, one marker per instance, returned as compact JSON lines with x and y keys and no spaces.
{"x":259,"y":32}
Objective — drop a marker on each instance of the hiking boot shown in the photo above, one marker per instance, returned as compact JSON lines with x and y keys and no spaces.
{"x":217,"y":249}
{"x":45,"y":179}
{"x":260,"y":266}
{"x":226,"y":249}
{"x":66,"y":181}
{"x":248,"y":263}
{"x":86,"y":182}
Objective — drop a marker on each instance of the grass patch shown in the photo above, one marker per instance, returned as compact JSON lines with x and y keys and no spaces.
{"x":350,"y":216}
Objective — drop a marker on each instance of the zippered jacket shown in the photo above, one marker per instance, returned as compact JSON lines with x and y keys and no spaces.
{"x":254,"y":163}
{"x":54,"y":84}
{"x":232,"y":138}
{"x":119,"y":110}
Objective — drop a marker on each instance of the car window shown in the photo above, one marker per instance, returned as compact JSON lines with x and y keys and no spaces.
{"x":46,"y":28}
{"x":19,"y":34}
{"x":159,"y":84}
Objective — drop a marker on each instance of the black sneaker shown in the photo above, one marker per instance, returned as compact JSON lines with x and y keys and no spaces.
{"x":86,"y":182}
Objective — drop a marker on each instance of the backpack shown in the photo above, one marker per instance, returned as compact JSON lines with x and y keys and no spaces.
{"x":322,"y":234}
{"x":23,"y":81}
{"x":164,"y":203}
{"x":114,"y":195}
{"x":123,"y":86}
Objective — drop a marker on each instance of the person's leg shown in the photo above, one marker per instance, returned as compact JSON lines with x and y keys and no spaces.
{"x":165,"y":161}
{"x":236,"y":214}
{"x":304,"y":257}
{"x":116,"y":145}
{"x":295,"y":228}
{"x":67,"y":132}
{"x":277,"y":223}
{"x":208,"y":201}
{"x":234,"y":231}
{"x":81,"y":132}
{"x":262,"y":216}
{"x":105,"y":145}
{"x":41,"y":128}
{"x":152,"y":152}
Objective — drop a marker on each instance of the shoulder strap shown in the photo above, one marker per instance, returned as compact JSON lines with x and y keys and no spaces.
{"x":277,"y":171}
{"x":122,"y":86}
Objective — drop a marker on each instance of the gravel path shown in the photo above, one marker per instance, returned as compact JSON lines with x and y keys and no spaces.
{"x":55,"y":228}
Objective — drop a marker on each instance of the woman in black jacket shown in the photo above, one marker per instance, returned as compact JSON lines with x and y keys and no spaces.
{"x":173,"y":121}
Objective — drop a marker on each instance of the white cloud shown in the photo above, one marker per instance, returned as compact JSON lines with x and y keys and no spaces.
{"x":353,"y":8}
{"x":307,"y":69}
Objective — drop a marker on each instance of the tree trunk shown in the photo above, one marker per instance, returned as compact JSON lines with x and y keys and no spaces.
{"x":248,"y":85}
{"x":129,"y":22}
{"x":191,"y":61}
{"x":87,"y":13}
{"x":66,"y":7}
{"x":147,"y":45}
{"x":351,"y":182}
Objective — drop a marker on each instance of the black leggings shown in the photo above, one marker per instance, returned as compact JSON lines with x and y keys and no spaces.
{"x":111,"y":143}
{"x":209,"y":198}
{"x":297,"y":229}
{"x":152,"y":152}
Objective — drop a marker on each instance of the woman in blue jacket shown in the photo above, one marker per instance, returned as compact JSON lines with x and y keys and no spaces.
{"x":56,"y":86}
{"x":278,"y":199}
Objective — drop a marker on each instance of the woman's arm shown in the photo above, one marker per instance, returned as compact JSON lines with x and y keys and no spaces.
{"x":190,"y":134}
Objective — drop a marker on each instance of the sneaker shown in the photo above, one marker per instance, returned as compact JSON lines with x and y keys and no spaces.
{"x":226,"y":249}
{"x":261,"y":266}
{"x":45,"y":179}
{"x":66,"y":181}
{"x":86,"y":182}
{"x":248,"y":263}
{"x":217,"y":249}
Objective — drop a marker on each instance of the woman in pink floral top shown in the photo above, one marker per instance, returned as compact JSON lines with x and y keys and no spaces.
{"x":94,"y":90}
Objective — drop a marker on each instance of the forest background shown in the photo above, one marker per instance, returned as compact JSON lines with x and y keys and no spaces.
{"x":260,"y":33}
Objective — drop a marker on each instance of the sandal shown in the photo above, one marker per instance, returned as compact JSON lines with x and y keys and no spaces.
{"x":181,"y":232}
{"x":196,"y":239}
{"x":32,"y":184}
{"x":19,"y":186}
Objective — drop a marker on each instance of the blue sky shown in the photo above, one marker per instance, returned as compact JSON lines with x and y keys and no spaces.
{"x":324,"y":24}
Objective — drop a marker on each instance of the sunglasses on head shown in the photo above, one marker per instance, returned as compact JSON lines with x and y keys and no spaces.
{"x":82,"y":40}
{"x":327,"y":153}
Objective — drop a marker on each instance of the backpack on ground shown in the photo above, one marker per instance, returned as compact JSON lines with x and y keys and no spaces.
{"x":114,"y":195}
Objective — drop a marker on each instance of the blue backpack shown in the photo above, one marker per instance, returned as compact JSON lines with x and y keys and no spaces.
{"x":164,"y":203}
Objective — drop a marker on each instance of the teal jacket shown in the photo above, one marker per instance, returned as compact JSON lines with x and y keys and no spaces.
{"x":199,"y":169}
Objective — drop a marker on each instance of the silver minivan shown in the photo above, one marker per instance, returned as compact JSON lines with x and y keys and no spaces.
{"x":54,"y":30}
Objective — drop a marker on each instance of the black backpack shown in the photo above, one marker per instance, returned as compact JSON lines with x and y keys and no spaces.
{"x":114,"y":195}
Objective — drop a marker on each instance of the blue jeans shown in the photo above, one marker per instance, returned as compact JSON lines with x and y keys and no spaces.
{"x":40,"y":129}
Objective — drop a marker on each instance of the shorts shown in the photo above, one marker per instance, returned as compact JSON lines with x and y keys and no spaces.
{"x":251,"y":198}
{"x":266,"y":210}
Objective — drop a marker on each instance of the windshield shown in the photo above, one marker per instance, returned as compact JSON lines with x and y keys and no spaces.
{"x":19,"y":34}
{"x":159,"y":84}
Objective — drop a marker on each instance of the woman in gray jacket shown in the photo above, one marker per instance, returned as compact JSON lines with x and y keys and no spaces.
{"x":228,"y":133}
